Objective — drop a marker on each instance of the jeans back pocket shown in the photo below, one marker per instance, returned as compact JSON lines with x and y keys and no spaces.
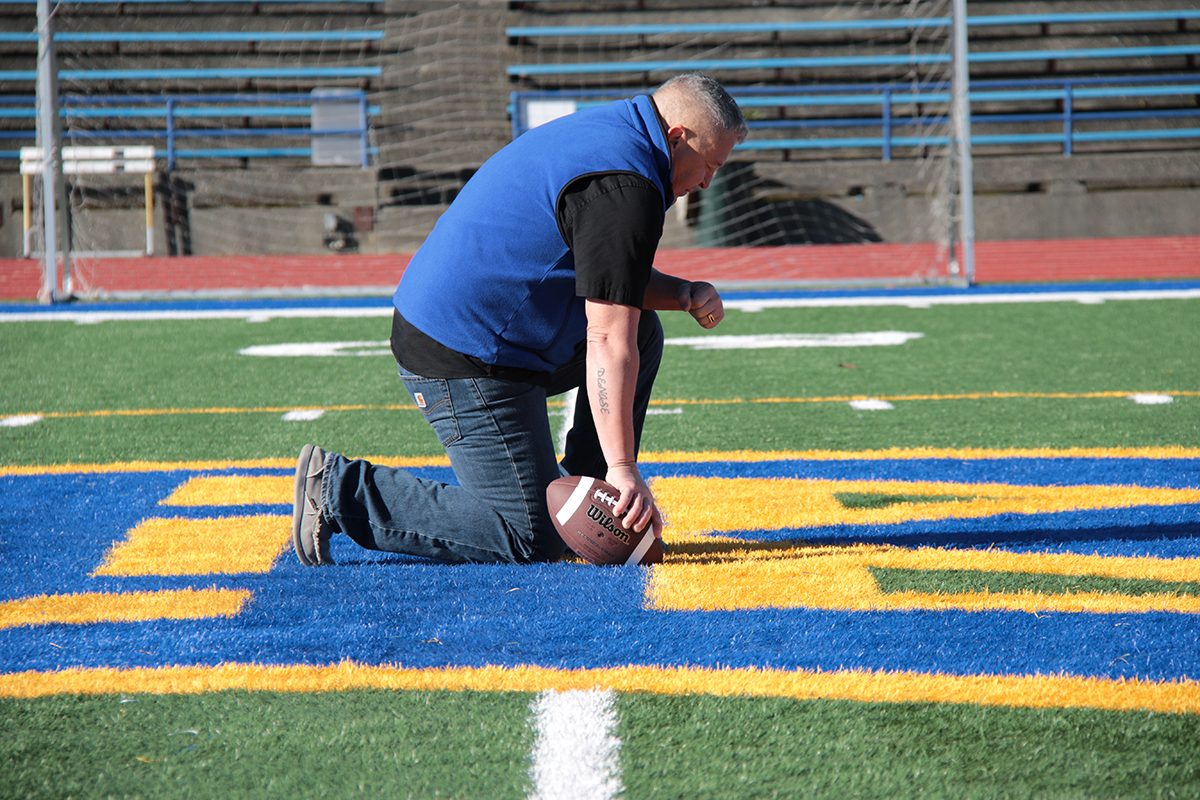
{"x":432,"y":396}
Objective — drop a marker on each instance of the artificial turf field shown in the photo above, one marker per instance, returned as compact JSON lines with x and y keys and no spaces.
{"x":959,"y":557}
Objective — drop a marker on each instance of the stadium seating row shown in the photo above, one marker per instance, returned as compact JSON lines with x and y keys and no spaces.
{"x":519,"y":34}
{"x":810,"y":62}
{"x":198,"y":82}
{"x":883,"y":109}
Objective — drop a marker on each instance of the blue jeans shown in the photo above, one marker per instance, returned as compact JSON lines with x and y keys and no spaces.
{"x":498,"y":437}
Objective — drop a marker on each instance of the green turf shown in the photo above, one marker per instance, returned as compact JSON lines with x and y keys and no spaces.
{"x":952,"y":581}
{"x":410,"y":744}
{"x":681,"y":747}
{"x":475,"y":745}
{"x":871,"y":500}
{"x":260,"y":745}
{"x":1040,"y":347}
{"x":1119,"y":346}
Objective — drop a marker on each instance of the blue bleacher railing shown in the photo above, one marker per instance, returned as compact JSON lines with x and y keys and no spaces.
{"x":993,"y":20}
{"x":213,"y":73}
{"x":1180,"y":16}
{"x":149,"y":37}
{"x":818,"y":62}
{"x":887,"y":97}
{"x":173,"y":109}
{"x":183,"y":2}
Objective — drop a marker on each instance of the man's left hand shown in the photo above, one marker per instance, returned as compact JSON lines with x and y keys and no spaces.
{"x":702,"y":301}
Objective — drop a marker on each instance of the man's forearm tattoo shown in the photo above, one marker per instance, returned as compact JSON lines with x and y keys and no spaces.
{"x":602,"y":391}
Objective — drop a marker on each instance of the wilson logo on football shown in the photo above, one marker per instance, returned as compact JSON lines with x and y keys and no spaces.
{"x":594,"y":512}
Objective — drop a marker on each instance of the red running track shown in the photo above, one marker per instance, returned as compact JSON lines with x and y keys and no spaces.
{"x":1057,"y":260}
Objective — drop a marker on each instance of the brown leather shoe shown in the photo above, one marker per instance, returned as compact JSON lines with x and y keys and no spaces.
{"x":310,"y":531}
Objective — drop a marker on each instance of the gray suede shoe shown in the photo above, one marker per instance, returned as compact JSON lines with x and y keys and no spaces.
{"x":310,"y":531}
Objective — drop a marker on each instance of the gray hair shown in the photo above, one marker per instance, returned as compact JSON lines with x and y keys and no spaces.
{"x":712,"y":97}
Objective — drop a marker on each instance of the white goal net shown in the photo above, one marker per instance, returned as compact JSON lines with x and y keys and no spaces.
{"x":345,"y":128}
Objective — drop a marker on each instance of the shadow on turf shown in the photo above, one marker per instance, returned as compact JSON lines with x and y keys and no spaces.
{"x":722,"y":549}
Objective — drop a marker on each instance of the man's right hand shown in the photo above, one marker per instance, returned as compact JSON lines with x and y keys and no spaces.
{"x":636,"y":506}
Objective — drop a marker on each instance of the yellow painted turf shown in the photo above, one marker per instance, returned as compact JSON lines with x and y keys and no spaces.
{"x":1028,"y":691}
{"x":701,"y":401}
{"x":92,"y":607}
{"x":229,"y":490}
{"x":730,"y":574}
{"x":668,"y":457}
{"x":227,"y":545}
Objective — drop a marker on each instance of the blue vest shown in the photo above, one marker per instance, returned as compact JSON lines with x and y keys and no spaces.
{"x":494,"y":279}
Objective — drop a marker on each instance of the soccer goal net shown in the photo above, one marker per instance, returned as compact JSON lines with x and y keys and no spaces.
{"x":346,"y":127}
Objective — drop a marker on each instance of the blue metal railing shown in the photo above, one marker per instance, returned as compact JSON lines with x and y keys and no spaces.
{"x":214,"y":73}
{"x":889,"y":97}
{"x":819,"y":62}
{"x":175,"y":109}
{"x":816,"y":26}
{"x":146,"y":37}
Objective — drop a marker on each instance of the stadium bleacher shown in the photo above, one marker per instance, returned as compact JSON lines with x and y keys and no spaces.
{"x":1062,"y":105}
{"x":805,"y":76}
{"x":1073,"y":82}
{"x":190,"y":78}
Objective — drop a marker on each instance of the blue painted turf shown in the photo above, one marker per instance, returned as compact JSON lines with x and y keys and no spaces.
{"x":380,"y":609}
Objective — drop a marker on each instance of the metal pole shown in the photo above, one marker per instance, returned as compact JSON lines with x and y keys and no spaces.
{"x":49,"y":139}
{"x":49,"y":143}
{"x":27,"y":213}
{"x":962,"y":141}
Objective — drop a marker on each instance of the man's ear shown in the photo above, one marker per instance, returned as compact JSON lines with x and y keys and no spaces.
{"x":675,"y":135}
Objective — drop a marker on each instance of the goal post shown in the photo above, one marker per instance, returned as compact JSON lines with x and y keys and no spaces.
{"x":961,"y":83}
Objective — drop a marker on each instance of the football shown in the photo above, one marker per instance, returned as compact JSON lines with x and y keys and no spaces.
{"x":582,"y":511}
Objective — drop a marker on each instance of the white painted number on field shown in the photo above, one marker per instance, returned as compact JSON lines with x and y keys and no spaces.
{"x":304,"y":415}
{"x":20,"y":420}
{"x":319,"y":349}
{"x":1151,"y":399}
{"x":871,"y":405}
{"x":773,"y":340}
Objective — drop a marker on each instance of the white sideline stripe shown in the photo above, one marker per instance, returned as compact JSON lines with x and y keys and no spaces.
{"x":576,"y":753}
{"x":773,"y":340}
{"x":926,"y":301}
{"x":575,"y":500}
{"x":910,"y":301}
{"x":636,"y":556}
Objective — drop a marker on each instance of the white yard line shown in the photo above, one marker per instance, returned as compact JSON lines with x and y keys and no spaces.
{"x":965,"y":299}
{"x":576,"y":753}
